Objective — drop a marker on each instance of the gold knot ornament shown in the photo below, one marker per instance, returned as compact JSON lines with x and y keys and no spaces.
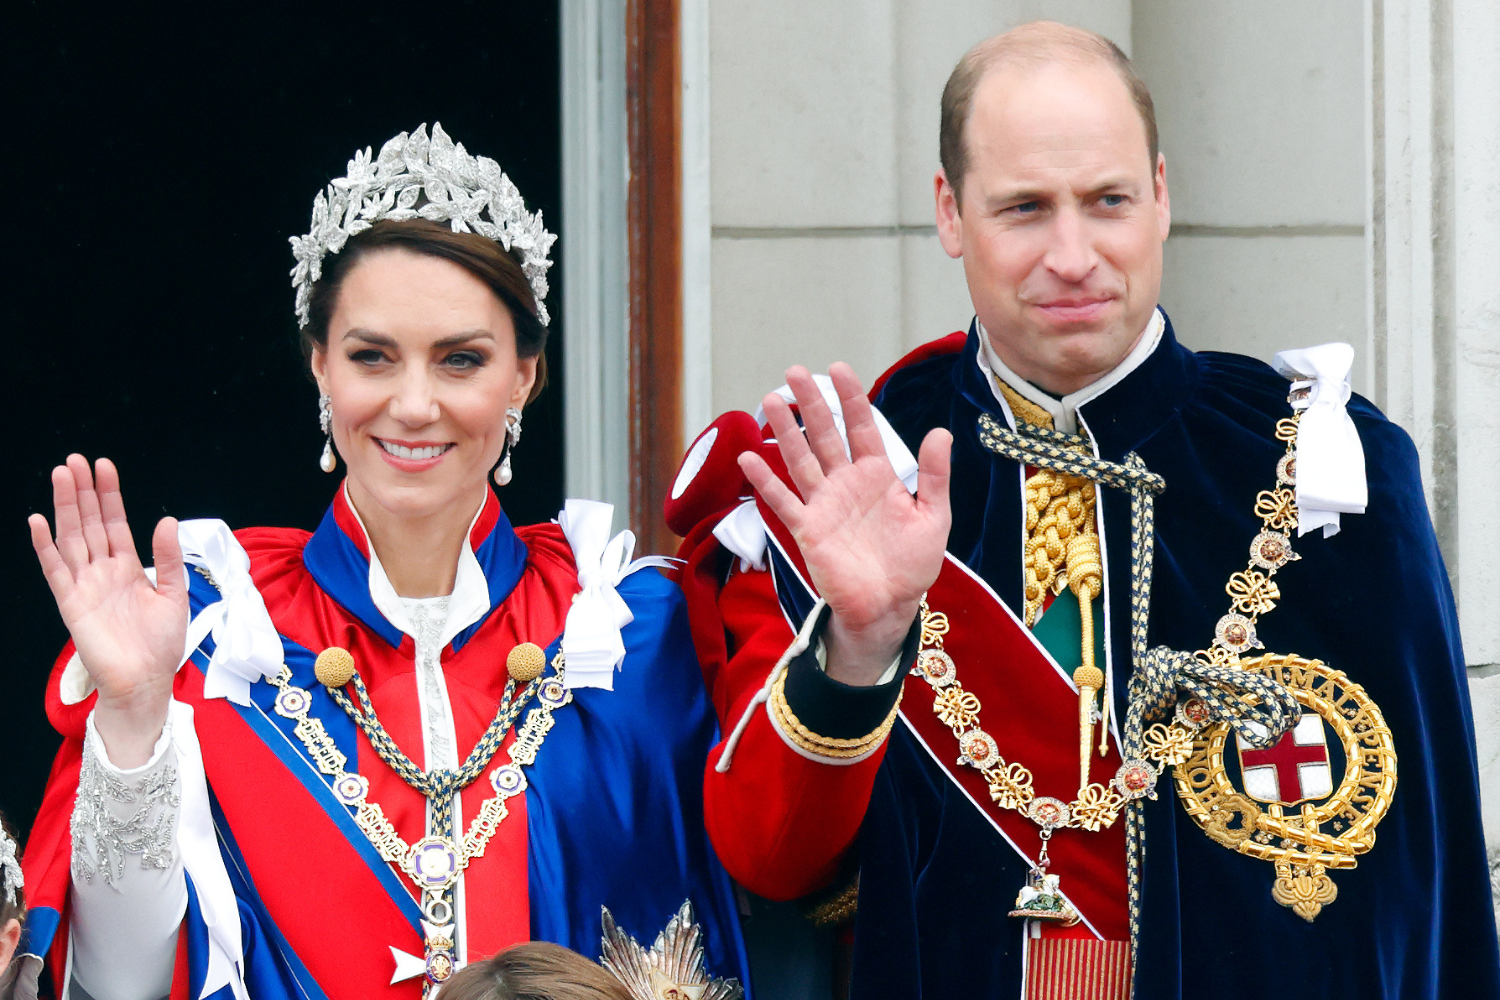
{"x":334,"y":667}
{"x":524,"y":662}
{"x":1089,"y":677}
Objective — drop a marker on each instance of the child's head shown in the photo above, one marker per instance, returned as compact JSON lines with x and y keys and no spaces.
{"x":12,"y":895}
{"x":538,"y":970}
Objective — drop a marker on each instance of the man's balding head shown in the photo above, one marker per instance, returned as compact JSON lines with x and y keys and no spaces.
{"x":1035,"y":44}
{"x":1063,"y":208}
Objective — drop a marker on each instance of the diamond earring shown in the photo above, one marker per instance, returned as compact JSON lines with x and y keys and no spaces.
{"x":325,"y":420}
{"x":512,"y":437}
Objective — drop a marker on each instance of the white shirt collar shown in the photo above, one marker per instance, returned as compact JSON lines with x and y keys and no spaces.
{"x":1065,"y":411}
{"x":468,"y":603}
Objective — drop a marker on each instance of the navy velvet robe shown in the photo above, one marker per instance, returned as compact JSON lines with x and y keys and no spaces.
{"x":1413,"y":920}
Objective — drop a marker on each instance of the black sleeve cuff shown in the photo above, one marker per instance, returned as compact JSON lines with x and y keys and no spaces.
{"x":839,"y":711}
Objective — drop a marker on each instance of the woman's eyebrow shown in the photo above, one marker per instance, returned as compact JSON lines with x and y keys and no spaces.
{"x":384,"y":340}
{"x":463,"y":338}
{"x":370,"y":337}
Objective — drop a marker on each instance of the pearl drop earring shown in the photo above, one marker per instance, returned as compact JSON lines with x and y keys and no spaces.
{"x":325,"y":420}
{"x":512,"y":437}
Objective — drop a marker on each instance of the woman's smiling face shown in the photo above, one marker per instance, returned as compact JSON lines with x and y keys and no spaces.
{"x":420,"y":367}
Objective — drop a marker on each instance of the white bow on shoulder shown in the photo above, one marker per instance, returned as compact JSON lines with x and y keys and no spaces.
{"x":1330,"y":458}
{"x":592,"y":645}
{"x":246,"y":644}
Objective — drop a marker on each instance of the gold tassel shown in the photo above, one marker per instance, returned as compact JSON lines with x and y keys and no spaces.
{"x":1085,"y":580}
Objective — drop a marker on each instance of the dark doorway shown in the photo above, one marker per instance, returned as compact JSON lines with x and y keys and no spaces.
{"x":160,"y":159}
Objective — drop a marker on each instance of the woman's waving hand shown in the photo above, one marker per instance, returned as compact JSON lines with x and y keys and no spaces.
{"x":129,"y":634}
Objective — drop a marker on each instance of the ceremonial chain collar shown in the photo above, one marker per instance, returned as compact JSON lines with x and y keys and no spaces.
{"x":1259,"y":708}
{"x":435,"y":862}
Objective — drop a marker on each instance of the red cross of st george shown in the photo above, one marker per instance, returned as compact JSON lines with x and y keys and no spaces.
{"x":1285,"y":756}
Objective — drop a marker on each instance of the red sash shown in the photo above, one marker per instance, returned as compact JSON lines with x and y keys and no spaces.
{"x":1031,"y":709}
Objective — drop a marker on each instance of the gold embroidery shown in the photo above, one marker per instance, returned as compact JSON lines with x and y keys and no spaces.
{"x":824,"y":746}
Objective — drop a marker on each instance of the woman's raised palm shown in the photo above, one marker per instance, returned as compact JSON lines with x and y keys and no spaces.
{"x":129,"y":634}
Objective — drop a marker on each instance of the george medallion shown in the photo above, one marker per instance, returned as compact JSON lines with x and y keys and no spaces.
{"x":1287,"y":808}
{"x":1136,"y":779}
{"x":1236,"y":633}
{"x":1272,"y":550}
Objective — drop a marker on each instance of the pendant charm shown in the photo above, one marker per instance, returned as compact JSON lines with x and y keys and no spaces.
{"x":439,"y":967}
{"x":437,"y":964}
{"x":1295,"y":803}
{"x":328,"y":463}
{"x":1041,"y":898}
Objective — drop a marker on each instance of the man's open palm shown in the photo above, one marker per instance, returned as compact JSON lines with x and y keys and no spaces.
{"x":871,"y":547}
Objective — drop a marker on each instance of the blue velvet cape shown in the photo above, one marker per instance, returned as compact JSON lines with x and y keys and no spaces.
{"x":1413,"y":920}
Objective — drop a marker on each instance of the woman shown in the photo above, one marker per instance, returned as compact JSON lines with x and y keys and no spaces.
{"x":413,"y":736}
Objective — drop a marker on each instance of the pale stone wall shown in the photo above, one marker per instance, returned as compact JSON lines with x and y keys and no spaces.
{"x":1474,"y":523}
{"x":1260,"y":108}
{"x":823,"y":142}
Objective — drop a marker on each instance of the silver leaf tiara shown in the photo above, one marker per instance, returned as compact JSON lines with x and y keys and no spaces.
{"x":673,"y":966}
{"x":470,"y":193}
{"x":10,"y":870}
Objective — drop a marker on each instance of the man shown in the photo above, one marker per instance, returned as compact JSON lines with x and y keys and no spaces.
{"x":1209,"y":823}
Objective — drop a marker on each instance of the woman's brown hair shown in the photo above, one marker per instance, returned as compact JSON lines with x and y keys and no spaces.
{"x":498,"y":268}
{"x":538,"y":970}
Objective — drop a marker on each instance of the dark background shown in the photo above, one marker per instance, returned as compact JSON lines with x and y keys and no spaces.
{"x":159,"y":161}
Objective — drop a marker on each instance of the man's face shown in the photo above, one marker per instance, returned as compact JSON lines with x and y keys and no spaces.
{"x":1062,"y":220}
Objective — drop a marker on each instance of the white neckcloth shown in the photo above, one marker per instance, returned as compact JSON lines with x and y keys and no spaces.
{"x":1064,"y":411}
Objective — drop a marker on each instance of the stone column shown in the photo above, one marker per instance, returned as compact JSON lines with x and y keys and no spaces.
{"x":1434,"y":104}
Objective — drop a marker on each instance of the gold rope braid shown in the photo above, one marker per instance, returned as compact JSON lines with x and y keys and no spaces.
{"x":834,"y":907}
{"x":1060,"y":533}
{"x":825,"y":746}
{"x":1062,"y":550}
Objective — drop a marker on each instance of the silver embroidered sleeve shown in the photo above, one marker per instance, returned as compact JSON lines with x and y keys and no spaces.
{"x":120,"y":814}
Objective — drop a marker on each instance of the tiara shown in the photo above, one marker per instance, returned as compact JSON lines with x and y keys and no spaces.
{"x":470,"y":193}
{"x":10,"y":870}
{"x":672,"y":967}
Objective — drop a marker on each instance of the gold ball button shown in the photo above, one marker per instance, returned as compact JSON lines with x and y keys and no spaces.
{"x":525,"y":662}
{"x":334,"y":667}
{"x":1089,"y":677}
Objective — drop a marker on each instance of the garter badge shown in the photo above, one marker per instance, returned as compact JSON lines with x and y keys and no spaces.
{"x":1307,"y":804}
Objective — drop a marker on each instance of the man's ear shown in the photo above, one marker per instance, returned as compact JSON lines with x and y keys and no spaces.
{"x":949,"y":224}
{"x":10,"y":939}
{"x":1163,"y":200}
